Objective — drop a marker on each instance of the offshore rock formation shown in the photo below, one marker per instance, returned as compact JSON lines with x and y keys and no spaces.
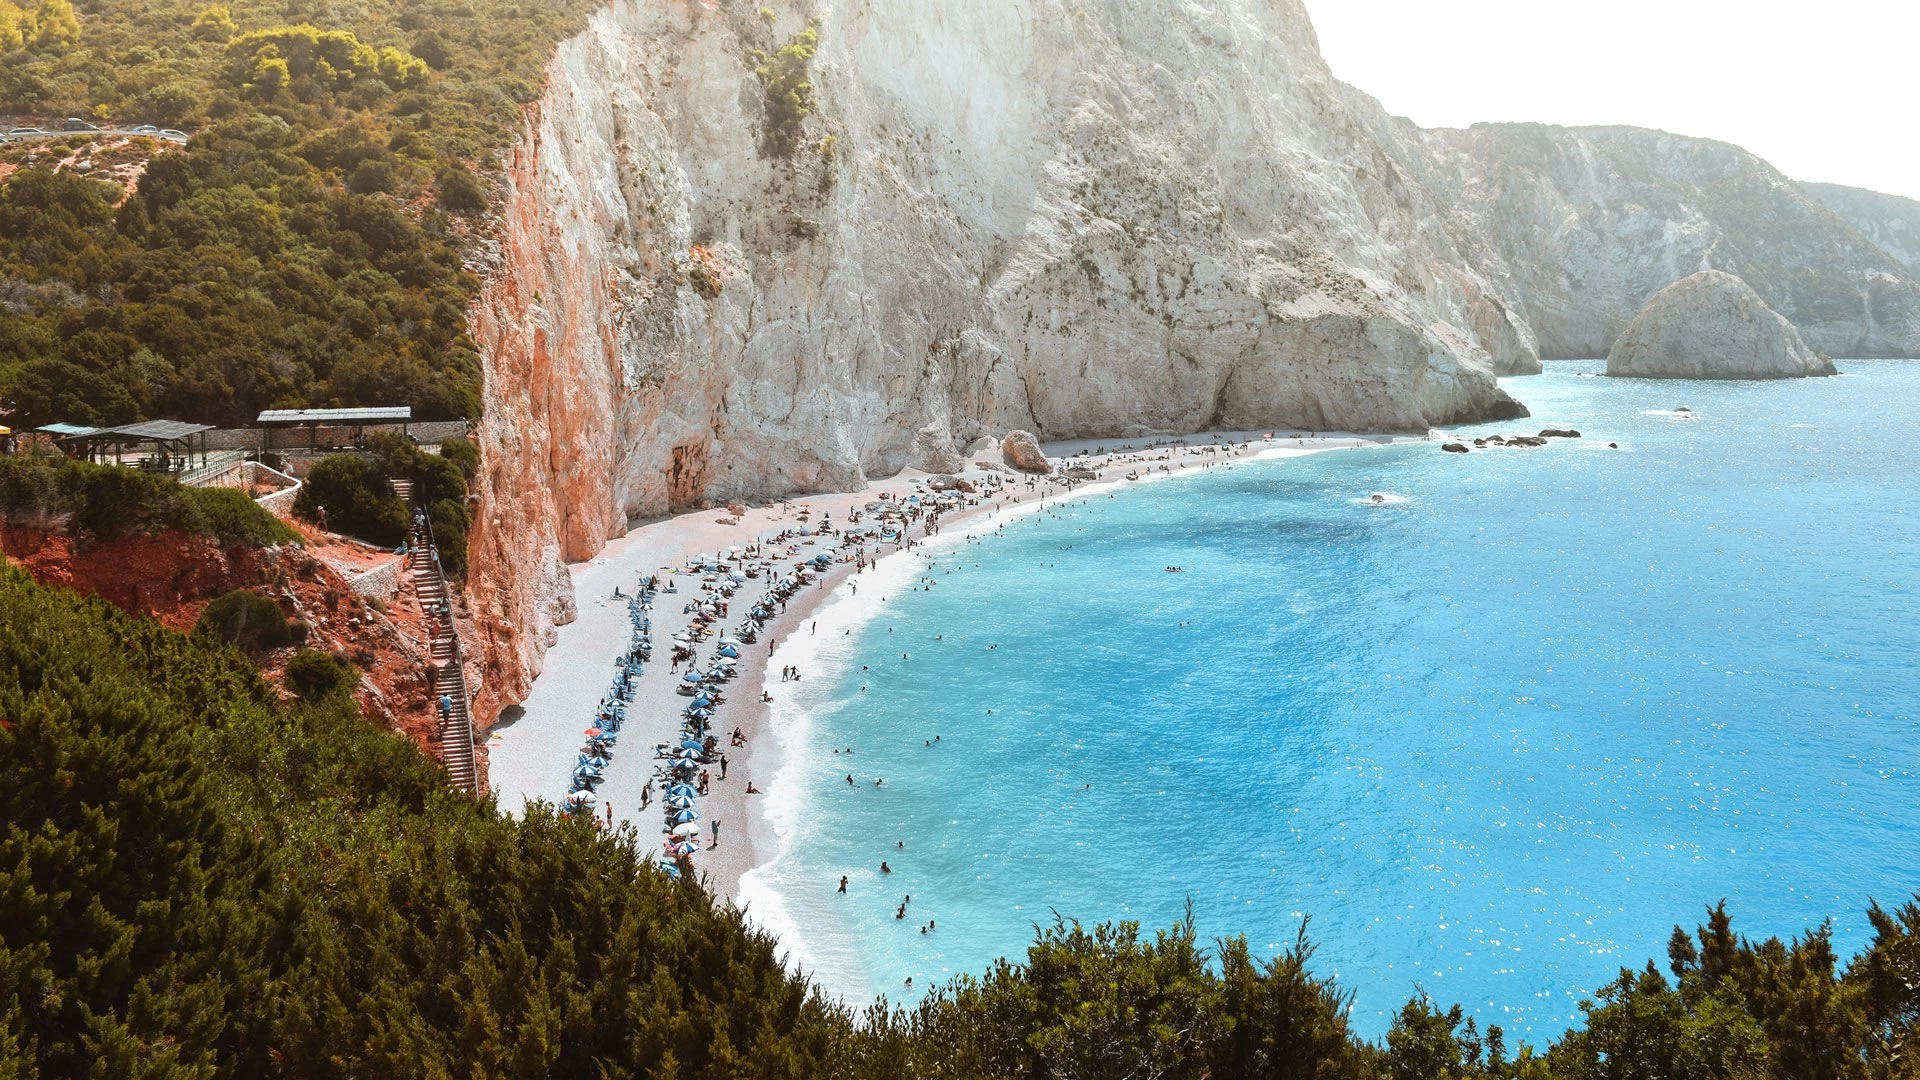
{"x":1711,"y":325}
{"x":1106,"y":218}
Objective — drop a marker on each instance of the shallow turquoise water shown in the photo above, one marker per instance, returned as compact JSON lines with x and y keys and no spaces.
{"x":1496,"y":740}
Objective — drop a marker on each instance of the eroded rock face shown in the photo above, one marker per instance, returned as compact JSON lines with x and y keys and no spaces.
{"x":1022,"y":451}
{"x":1712,"y":325}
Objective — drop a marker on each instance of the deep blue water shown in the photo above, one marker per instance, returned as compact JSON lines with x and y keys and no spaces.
{"x":1496,"y":739}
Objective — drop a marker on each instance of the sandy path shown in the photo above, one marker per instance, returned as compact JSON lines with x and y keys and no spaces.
{"x":531,"y":756}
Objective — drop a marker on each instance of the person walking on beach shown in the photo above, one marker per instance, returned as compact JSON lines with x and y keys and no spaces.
{"x":716,"y":834}
{"x":723,"y":766}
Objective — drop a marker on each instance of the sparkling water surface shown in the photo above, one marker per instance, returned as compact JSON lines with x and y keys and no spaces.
{"x":1495,"y":737}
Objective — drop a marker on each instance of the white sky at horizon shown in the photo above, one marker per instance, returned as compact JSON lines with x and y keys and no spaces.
{"x":1826,"y":91}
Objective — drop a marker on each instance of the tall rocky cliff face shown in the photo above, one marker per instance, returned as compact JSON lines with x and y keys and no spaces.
{"x":1115,"y":217}
{"x":1888,"y":220}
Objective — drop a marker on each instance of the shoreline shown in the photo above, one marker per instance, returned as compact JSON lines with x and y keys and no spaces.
{"x":530,"y":752}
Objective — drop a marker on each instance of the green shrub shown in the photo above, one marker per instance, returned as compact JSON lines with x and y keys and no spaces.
{"x":245,"y":619}
{"x":460,"y":192}
{"x":786,"y":92}
{"x":450,"y":524}
{"x":233,"y":518}
{"x":312,"y":674}
{"x":30,"y":490}
{"x":462,"y":452}
{"x":354,"y":496}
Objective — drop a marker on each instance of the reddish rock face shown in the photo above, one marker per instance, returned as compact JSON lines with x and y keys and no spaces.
{"x":545,"y":482}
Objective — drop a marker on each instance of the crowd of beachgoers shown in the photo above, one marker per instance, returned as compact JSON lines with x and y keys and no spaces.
{"x":784,"y":563}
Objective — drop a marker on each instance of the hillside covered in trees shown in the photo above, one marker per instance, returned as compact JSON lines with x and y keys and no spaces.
{"x":202,"y":877}
{"x":304,"y":248}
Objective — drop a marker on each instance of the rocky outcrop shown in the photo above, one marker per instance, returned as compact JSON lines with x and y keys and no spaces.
{"x":1022,"y":451}
{"x":1889,"y":221}
{"x":1586,"y":224}
{"x":1711,"y":325}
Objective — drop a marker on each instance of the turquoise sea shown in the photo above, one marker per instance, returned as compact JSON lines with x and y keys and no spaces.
{"x":1496,"y":737}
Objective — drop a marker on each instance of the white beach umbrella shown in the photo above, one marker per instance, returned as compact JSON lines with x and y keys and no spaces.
{"x":690,"y":828}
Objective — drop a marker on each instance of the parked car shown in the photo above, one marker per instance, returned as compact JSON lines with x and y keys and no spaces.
{"x":26,"y":131}
{"x":74,"y":123}
{"x":170,"y":133}
{"x":146,"y":129}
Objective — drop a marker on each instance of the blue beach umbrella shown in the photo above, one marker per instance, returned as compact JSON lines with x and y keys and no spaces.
{"x":690,"y":677}
{"x":686,"y":790}
{"x":680,"y":817}
{"x":680,"y":802}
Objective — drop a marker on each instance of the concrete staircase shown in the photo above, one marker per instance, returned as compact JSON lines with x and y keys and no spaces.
{"x":454,"y":736}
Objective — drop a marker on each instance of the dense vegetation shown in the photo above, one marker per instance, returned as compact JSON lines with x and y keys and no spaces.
{"x":355,"y":493}
{"x":198,"y":880}
{"x":105,"y":502}
{"x":303,"y":249}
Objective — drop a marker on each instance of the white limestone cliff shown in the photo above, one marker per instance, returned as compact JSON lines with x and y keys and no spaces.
{"x":1106,"y":217}
{"x":1712,"y":325}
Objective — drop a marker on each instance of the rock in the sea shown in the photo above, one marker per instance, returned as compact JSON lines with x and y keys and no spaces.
{"x":1558,"y":433}
{"x":1526,"y":440}
{"x":1712,"y":325}
{"x":1455,"y":448}
{"x":1022,"y":451}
